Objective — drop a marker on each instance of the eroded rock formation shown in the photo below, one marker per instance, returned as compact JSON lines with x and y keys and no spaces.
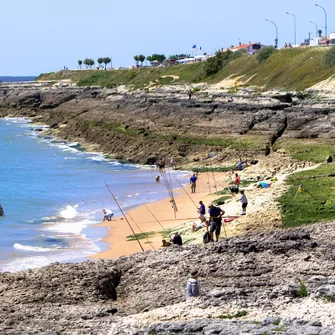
{"x":142,"y":127}
{"x":274,"y":280}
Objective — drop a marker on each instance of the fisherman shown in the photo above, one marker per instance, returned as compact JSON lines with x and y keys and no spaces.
{"x":176,"y":239}
{"x":240,"y":164}
{"x":193,"y":182}
{"x":172,"y":165}
{"x":215,"y":218}
{"x":108,"y":214}
{"x":236,"y":186}
{"x":2,"y":213}
{"x":244,"y":202}
{"x":192,"y":286}
{"x":202,"y":211}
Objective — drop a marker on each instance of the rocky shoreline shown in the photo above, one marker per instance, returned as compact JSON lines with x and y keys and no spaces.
{"x":142,"y":127}
{"x":271,"y":282}
{"x":252,"y":285}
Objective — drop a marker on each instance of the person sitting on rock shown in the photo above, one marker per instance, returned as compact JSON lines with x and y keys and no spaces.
{"x":197,"y":226}
{"x":176,"y":239}
{"x":192,"y":286}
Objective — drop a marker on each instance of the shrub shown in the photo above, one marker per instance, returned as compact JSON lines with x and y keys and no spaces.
{"x":264,"y":54}
{"x":329,"y":57}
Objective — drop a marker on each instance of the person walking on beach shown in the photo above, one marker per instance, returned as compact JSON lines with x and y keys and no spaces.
{"x":108,"y":214}
{"x":244,"y":202}
{"x":192,"y":286}
{"x":193,"y":182}
{"x":215,"y":218}
{"x":202,"y":212}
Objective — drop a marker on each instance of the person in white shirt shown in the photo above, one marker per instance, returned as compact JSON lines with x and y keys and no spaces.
{"x":244,"y":202}
{"x":107,"y":214}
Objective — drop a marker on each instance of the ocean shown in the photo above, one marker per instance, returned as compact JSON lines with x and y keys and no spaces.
{"x":53,"y":194}
{"x":11,"y":79}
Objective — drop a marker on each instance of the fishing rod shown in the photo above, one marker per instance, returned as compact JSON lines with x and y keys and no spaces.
{"x":141,"y":231}
{"x":152,"y":214}
{"x":186,"y":192}
{"x":170,"y":192}
{"x":209,"y":184}
{"x":124,"y":216}
{"x":302,"y":185}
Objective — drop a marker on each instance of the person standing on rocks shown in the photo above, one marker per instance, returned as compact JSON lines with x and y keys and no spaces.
{"x":193,"y":182}
{"x":244,"y":202}
{"x":192,"y":286}
{"x":215,"y":218}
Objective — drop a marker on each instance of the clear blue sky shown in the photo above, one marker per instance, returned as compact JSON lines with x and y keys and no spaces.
{"x":44,"y":35}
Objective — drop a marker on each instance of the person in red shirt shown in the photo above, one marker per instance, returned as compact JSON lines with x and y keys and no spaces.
{"x":237,"y":182}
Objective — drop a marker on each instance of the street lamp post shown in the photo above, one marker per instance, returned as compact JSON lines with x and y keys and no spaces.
{"x":295,"y":27}
{"x":276,"y":39}
{"x":325,"y":18}
{"x":316,"y":28}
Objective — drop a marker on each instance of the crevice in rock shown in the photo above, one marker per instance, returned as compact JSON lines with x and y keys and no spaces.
{"x":280,"y":131}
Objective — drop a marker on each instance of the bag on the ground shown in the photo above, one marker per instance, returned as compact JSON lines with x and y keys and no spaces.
{"x":207,"y":237}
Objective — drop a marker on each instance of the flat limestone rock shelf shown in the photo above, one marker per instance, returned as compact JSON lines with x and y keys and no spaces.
{"x":256,"y":284}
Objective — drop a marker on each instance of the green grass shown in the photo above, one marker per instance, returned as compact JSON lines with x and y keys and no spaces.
{"x":229,"y":316}
{"x":222,"y":200}
{"x":140,"y":236}
{"x":302,"y":208}
{"x":291,"y":69}
{"x":214,"y":169}
{"x":312,"y":150}
{"x":302,"y":291}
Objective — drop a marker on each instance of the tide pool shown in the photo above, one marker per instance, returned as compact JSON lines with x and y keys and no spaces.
{"x":53,"y":193}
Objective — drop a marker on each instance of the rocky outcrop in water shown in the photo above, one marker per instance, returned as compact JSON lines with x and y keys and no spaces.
{"x":271,"y":282}
{"x":144,"y":126}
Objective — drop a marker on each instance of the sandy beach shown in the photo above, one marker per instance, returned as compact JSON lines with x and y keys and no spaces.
{"x":142,"y":221}
{"x":262,"y":212}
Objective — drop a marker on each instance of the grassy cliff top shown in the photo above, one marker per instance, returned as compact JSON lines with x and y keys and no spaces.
{"x":290,"y":69}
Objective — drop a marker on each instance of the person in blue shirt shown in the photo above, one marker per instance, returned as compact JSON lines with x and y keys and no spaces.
{"x":215,"y":218}
{"x":193,"y":182}
{"x":202,"y":211}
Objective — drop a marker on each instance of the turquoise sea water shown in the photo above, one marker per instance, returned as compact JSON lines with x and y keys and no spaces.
{"x":53,"y":193}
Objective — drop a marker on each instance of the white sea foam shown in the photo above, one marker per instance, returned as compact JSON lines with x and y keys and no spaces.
{"x":81,"y":250}
{"x":21,"y":247}
{"x":134,"y":195}
{"x":69,"y":212}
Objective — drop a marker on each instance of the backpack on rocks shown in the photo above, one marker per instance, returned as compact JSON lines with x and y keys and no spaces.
{"x":207,"y":237}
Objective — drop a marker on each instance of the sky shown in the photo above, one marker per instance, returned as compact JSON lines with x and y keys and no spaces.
{"x":40,"y":36}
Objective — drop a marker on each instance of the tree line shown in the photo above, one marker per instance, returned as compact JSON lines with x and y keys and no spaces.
{"x":89,"y":62}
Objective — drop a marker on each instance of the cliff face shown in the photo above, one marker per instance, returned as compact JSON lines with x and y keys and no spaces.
{"x":142,"y":127}
{"x":254,"y":284}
